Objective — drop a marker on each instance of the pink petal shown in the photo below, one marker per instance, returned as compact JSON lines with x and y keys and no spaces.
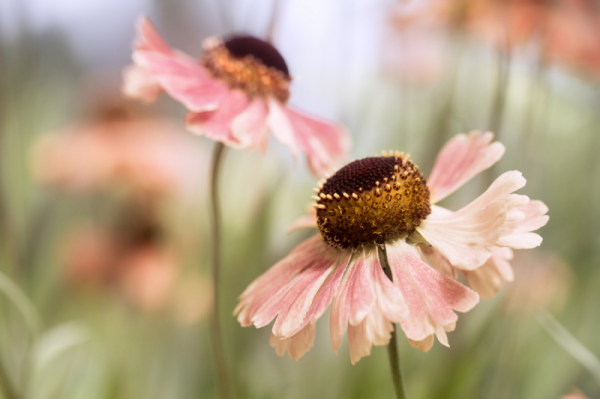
{"x":281,"y":127}
{"x":466,"y":236}
{"x":216,"y":124}
{"x":148,"y":37}
{"x":292,"y":302}
{"x":296,"y":345}
{"x":437,"y":260}
{"x":183,"y":78}
{"x":264,"y":287}
{"x":459,"y":160}
{"x":354,"y":299}
{"x":159,"y":66}
{"x":389,"y":299}
{"x":430,"y":296}
{"x":323,"y":143}
{"x":249,"y":128}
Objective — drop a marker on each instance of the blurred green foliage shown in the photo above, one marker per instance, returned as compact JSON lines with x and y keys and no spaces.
{"x":58,"y":340}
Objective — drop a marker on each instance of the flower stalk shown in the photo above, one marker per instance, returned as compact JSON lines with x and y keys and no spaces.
{"x":215,"y":329}
{"x":392,"y":348}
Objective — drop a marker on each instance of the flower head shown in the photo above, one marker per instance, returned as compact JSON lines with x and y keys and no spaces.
{"x":383,"y":207}
{"x":236,"y":93}
{"x":148,"y":156}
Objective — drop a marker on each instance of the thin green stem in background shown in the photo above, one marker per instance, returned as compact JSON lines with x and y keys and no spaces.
{"x":216,"y":331}
{"x":571,"y":344}
{"x":392,"y":349}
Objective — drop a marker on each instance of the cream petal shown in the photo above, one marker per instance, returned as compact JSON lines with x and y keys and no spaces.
{"x":139,"y":84}
{"x":422,"y":345}
{"x":463,"y":157}
{"x":465,"y":237}
{"x":296,"y":345}
{"x":358,"y":342}
{"x":518,"y":233}
{"x":431,"y":297}
{"x":487,"y":279}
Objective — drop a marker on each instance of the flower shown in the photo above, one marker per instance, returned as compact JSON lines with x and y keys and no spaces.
{"x":131,"y":255}
{"x":148,"y":156}
{"x":381,"y":210}
{"x":234,"y":94}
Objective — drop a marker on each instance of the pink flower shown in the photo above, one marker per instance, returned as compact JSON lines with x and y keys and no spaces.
{"x":236,"y":93}
{"x":146,"y":155}
{"x":384,"y":205}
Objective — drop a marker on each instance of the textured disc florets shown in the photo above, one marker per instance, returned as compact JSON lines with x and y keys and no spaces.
{"x":372,"y":201}
{"x":248,"y":64}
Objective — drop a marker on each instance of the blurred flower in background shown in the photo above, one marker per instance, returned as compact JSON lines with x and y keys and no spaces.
{"x":119,"y":149}
{"x":145,"y":163}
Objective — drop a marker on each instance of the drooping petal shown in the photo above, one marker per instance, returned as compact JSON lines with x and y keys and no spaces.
{"x":264,"y":287}
{"x":358,"y":342}
{"x":249,"y":128}
{"x":291,"y":303}
{"x":157,"y":66}
{"x":465,"y":237}
{"x":148,"y":37}
{"x":463,"y":157}
{"x":216,"y":124}
{"x":323,"y":143}
{"x":368,"y":303}
{"x":431,"y":297}
{"x":296,"y":345}
{"x":354,"y":299}
{"x":487,"y":279}
{"x":183,"y":78}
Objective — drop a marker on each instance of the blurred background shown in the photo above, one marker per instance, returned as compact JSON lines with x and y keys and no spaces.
{"x":104,"y":237}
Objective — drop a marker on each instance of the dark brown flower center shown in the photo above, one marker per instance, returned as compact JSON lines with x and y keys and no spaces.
{"x":248,"y":64}
{"x":243,"y":46}
{"x":372,"y":201}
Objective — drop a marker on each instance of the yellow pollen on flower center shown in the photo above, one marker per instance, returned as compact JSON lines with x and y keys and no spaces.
{"x":247,"y":72}
{"x":372,"y":201}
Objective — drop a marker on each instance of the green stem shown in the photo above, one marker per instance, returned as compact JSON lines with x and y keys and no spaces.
{"x":216,"y":332}
{"x":392,"y":349}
